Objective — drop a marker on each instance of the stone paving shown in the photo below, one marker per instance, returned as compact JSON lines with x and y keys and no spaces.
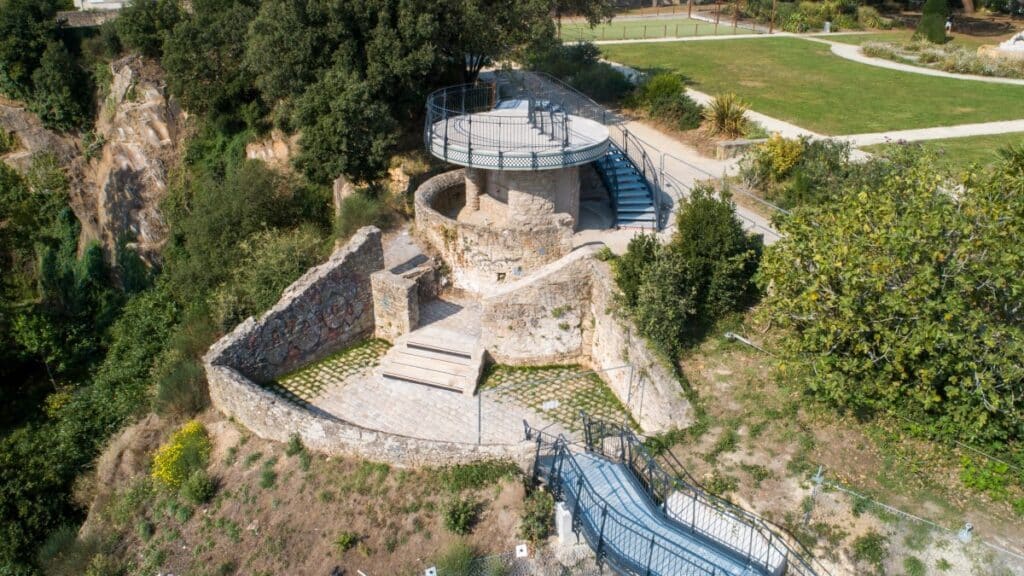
{"x":557,"y":392}
{"x":305,"y":384}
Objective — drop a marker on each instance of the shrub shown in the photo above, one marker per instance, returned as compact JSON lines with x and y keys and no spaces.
{"x":932,"y":26}
{"x":181,"y":385}
{"x":675,"y":293}
{"x":199,"y":488}
{"x":457,"y":560}
{"x":800,"y":172}
{"x":913,"y":566}
{"x":988,"y":476}
{"x":8,"y":141}
{"x":346,"y":541}
{"x":871,"y":548}
{"x":358,"y":210}
{"x":187,"y":450}
{"x":773,"y":160}
{"x":460,"y":515}
{"x":538,"y":514}
{"x":268,"y":477}
{"x":870,"y":17}
{"x":144,"y":24}
{"x":663,"y":96}
{"x":294,"y":445}
{"x":579,"y":65}
{"x":726,"y":116}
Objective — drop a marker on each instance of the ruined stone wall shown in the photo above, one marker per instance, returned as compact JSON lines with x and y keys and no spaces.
{"x":330,"y":307}
{"x":482,"y":256}
{"x":396,"y":305}
{"x":651,"y":390}
{"x":564,"y":313}
{"x":327,"y":309}
{"x":271,"y":417}
{"x":541,"y":319}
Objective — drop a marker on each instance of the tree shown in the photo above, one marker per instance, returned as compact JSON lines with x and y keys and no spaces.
{"x":62,"y":91}
{"x":144,"y":24}
{"x":203,"y":57}
{"x":26,"y":26}
{"x":347,"y":128}
{"x":905,"y":296}
{"x":933,"y":21}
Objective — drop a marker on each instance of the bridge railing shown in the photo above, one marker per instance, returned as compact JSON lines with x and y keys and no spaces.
{"x":625,"y":544}
{"x":711,"y":516}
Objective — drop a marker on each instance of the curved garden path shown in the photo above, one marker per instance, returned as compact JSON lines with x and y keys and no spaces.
{"x":852,"y":52}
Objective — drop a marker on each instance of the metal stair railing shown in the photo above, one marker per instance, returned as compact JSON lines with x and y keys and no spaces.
{"x":660,"y":484}
{"x":624,"y":544}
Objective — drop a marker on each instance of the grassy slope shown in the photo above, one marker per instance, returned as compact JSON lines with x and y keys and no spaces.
{"x":905,"y":35}
{"x":802,"y":82}
{"x":962,"y":152}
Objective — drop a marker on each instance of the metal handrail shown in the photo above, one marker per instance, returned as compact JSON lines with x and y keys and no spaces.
{"x":602,"y":526}
{"x":661,"y":484}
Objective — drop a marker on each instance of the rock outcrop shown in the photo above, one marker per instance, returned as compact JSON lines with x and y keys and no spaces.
{"x":139,"y":128}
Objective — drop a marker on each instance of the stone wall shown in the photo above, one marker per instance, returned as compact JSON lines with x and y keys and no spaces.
{"x":396,"y":305}
{"x":327,"y":309}
{"x":541,"y":319}
{"x":564,"y":313}
{"x":274,"y":418}
{"x":330,"y":307}
{"x":482,"y":256}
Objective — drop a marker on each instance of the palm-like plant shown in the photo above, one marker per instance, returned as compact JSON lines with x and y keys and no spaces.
{"x":725,"y":116}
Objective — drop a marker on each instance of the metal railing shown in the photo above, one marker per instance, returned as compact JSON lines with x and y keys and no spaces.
{"x":638,"y":154}
{"x":623,"y":543}
{"x":716,"y":515}
{"x":456,"y":125}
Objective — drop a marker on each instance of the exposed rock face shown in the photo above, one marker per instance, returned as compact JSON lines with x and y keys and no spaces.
{"x":32,"y":137}
{"x":140,"y":127}
{"x":277,"y":150}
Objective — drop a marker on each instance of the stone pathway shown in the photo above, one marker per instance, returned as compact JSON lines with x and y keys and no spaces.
{"x":937,"y":133}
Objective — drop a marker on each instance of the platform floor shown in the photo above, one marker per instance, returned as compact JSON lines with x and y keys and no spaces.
{"x":618,"y":487}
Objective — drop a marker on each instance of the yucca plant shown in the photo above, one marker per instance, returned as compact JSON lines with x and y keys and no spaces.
{"x":725,"y":116}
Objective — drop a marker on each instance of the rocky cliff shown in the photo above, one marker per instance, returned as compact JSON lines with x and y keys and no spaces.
{"x":139,"y":128}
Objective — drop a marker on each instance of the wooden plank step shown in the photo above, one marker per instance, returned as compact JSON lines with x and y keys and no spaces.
{"x":449,"y":347}
{"x":430,"y":355}
{"x":424,"y":377}
{"x":434,"y":365}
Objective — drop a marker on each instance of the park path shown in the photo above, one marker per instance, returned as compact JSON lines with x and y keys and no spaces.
{"x":853,"y":52}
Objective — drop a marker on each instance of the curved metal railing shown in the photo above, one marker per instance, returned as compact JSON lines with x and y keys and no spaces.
{"x":717,"y":515}
{"x":472,"y":119}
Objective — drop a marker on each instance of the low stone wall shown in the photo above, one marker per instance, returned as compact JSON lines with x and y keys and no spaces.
{"x":482,"y":256}
{"x":396,"y":305}
{"x":564,"y":313}
{"x":274,"y":418}
{"x":328,"y":308}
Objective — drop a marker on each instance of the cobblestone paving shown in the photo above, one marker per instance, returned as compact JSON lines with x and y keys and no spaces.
{"x":558,"y":393}
{"x":305,"y":384}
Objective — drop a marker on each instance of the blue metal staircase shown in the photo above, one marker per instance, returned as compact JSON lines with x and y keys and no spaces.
{"x":630,"y":193}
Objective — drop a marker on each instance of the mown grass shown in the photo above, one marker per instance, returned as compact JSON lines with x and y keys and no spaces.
{"x":802,"y":82}
{"x":961,"y":153}
{"x":648,"y":28}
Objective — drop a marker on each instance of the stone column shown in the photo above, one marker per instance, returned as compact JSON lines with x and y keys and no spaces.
{"x":476,"y":184}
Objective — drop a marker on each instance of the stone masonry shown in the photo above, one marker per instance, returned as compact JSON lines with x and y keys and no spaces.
{"x":396,"y":305}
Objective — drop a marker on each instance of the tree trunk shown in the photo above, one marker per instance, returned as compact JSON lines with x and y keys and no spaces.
{"x":968,"y":6}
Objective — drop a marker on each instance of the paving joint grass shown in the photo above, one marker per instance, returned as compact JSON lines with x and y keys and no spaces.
{"x":308,"y":382}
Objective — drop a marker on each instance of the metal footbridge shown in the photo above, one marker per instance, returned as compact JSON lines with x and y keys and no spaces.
{"x":641,"y":519}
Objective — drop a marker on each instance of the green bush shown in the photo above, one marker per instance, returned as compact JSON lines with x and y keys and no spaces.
{"x":579,"y":66}
{"x":870,"y":17}
{"x":199,"y":488}
{"x":460,"y":515}
{"x":871,"y":548}
{"x":187,"y":451}
{"x":8,"y":141}
{"x":346,"y":541}
{"x":181,"y":386}
{"x":799,"y":172}
{"x":538,"y":515}
{"x":358,"y":210}
{"x":726,"y":116}
{"x":269,"y":262}
{"x":988,"y":476}
{"x":675,"y":293}
{"x":477,"y":475}
{"x":913,"y":566}
{"x":663,"y":96}
{"x":144,"y":24}
{"x":932,"y":26}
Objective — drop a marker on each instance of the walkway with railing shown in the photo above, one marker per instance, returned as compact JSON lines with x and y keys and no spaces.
{"x":641,"y":518}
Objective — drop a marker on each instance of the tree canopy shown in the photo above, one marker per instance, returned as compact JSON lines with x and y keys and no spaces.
{"x":905,"y":294}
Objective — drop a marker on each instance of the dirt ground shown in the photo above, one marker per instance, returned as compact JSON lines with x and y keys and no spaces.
{"x":762,"y":442}
{"x":291,"y":525}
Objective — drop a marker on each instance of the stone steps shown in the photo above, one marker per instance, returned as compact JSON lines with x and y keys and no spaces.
{"x":437,"y":358}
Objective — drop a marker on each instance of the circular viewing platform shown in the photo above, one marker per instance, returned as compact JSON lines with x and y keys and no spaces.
{"x":473,"y":126}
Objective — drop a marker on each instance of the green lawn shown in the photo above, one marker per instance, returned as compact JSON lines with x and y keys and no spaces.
{"x":647,"y":28}
{"x":804,"y":83}
{"x":904,"y":36}
{"x":962,"y":152}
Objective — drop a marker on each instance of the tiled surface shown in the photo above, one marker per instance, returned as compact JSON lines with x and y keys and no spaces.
{"x":306,"y":384}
